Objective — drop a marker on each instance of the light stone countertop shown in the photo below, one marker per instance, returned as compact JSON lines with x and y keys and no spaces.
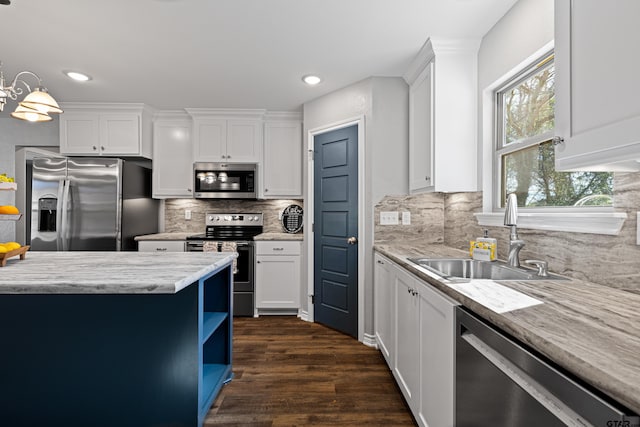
{"x":279,"y":236}
{"x":163,"y":236}
{"x":591,"y":330}
{"x":107,"y":272}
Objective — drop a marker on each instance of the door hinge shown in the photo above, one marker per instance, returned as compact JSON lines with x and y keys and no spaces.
{"x":311,"y":154}
{"x":313,"y":299}
{"x":313,"y":227}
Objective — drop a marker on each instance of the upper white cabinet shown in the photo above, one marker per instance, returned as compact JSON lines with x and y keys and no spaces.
{"x":227,"y":135}
{"x":172,"y":151}
{"x":443,"y":116}
{"x":282,"y":164}
{"x":89,"y":129}
{"x":597,"y":108}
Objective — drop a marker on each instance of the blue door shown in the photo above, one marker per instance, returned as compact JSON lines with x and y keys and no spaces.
{"x":336,"y":229}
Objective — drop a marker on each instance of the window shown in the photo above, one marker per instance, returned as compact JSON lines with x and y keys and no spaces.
{"x":525,"y":154}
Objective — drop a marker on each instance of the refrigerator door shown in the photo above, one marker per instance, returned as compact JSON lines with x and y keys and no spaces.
{"x":47,"y":190}
{"x":93,"y":204}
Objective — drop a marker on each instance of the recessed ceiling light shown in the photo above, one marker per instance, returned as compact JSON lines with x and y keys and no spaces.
{"x":311,"y":80}
{"x":80,"y":77}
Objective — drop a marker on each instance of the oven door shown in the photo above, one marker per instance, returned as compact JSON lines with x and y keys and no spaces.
{"x":224,"y":181}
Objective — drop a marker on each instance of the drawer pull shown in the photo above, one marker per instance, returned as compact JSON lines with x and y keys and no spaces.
{"x":278,"y":249}
{"x":161,"y":249}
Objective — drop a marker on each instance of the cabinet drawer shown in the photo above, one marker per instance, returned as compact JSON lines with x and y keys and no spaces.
{"x":161,"y":246}
{"x":278,"y":248}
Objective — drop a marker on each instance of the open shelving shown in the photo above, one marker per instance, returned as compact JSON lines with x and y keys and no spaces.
{"x":215,"y":337}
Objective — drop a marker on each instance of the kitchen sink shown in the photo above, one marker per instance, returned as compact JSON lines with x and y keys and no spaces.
{"x":464,"y":269}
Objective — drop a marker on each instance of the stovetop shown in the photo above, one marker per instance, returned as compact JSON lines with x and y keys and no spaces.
{"x":230,"y":226}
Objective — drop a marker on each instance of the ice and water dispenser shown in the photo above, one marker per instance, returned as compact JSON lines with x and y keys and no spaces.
{"x":47,"y":210}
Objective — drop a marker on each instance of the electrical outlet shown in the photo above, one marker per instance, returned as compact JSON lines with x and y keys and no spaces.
{"x":406,"y":218}
{"x":388,"y":218}
{"x":187,"y":214}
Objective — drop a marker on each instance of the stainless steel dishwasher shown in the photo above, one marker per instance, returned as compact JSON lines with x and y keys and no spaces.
{"x":500,"y":383}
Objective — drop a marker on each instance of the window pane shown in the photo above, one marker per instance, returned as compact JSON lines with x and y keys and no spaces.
{"x":530,"y":173}
{"x":528,"y":108}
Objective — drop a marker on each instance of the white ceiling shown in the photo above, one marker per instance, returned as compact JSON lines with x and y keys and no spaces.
{"x":224,"y":53}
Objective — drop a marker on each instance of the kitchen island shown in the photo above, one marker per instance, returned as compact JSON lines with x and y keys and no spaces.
{"x":114,"y":338}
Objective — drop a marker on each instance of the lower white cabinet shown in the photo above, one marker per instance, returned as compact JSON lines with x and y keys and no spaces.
{"x":278,"y":278}
{"x":384,"y":306}
{"x":415,"y":331}
{"x":162,"y":246}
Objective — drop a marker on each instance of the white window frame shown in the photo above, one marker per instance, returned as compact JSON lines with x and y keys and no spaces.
{"x":596,"y":220}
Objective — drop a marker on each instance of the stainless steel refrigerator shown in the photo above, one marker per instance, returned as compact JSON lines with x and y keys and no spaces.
{"x":90,"y":204}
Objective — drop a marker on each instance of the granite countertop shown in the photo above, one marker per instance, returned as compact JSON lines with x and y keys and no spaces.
{"x":107,"y":272}
{"x":591,"y":330}
{"x":279,"y":236}
{"x":164,"y":236}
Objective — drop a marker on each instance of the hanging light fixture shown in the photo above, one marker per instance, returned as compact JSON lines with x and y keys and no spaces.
{"x":36,"y":105}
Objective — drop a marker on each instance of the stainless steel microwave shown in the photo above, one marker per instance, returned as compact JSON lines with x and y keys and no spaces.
{"x":225,"y":180}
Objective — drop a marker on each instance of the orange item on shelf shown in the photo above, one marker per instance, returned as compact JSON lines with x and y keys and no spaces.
{"x":9,"y":210}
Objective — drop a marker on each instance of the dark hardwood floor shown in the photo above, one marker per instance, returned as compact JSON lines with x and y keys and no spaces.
{"x":289,"y":372}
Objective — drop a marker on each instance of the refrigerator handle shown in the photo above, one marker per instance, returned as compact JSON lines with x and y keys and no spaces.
{"x":59,"y":210}
{"x":64,"y":230}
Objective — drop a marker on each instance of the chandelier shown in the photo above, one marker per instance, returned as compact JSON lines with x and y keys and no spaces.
{"x":36,"y":105}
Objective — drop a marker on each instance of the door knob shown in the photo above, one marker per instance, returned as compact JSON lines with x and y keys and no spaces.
{"x":352,"y":240}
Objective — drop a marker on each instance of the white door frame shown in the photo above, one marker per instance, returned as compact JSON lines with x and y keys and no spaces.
{"x":309,"y":216}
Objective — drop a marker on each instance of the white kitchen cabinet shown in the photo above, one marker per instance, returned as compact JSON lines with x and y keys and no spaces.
{"x":88,"y":129}
{"x":421,"y":341}
{"x":597,"y":111}
{"x":172,"y":157}
{"x":443,"y":116}
{"x":407,"y":332}
{"x":227,"y":135}
{"x":437,"y":358}
{"x":162,"y":246}
{"x":282,"y":165}
{"x":278,"y":278}
{"x":384,"y":305}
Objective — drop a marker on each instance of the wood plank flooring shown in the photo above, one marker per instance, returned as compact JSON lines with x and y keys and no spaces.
{"x":289,"y":372}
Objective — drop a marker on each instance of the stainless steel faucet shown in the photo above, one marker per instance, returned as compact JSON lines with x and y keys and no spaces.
{"x":511,"y":220}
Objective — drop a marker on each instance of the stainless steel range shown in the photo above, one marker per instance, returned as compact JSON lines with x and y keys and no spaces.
{"x":239,"y":228}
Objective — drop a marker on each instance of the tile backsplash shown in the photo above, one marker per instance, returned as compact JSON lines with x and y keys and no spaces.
{"x":448,"y":218}
{"x":174,"y":209}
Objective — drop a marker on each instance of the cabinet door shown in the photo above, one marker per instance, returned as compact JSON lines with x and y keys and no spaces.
{"x":407,"y":362}
{"x":172,"y":161}
{"x":119,"y":134}
{"x":277,"y":281}
{"x":244,"y":141}
{"x":383,"y":306}
{"x":282,"y":166}
{"x":597,"y":109}
{"x":437,"y":355}
{"x":210,"y":140}
{"x":421,"y":131}
{"x":80,"y":133}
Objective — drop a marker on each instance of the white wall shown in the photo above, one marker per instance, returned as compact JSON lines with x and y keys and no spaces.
{"x":523,"y":30}
{"x":384,"y":103}
{"x":15,"y":133}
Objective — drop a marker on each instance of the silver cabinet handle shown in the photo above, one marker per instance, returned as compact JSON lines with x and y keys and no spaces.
{"x":102,"y":147}
{"x":427,"y":178}
{"x":352,"y":240}
{"x":557,"y":140}
{"x":95,"y":148}
{"x":161,"y":249}
{"x":189,"y":190}
{"x":380,"y":262}
{"x":278,"y":249}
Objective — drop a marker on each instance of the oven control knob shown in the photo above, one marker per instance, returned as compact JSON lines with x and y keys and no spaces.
{"x":255,"y":218}
{"x":227,"y":217}
{"x":217,"y":218}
